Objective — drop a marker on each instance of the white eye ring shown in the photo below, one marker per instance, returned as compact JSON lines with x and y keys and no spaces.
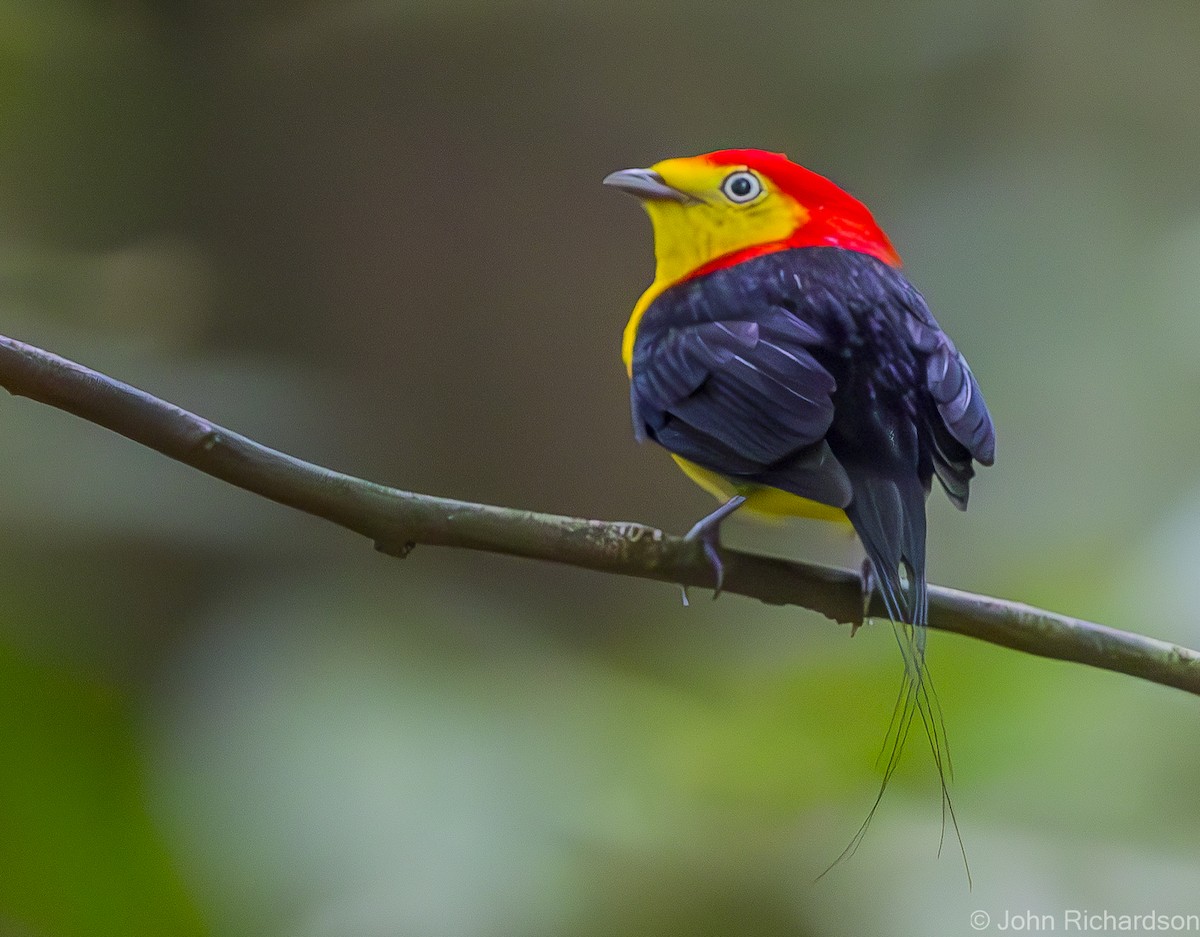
{"x":741,"y":187}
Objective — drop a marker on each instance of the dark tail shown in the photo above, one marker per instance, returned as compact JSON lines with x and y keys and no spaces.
{"x":889,"y":518}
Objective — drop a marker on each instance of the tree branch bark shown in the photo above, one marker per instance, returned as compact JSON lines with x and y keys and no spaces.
{"x":397,"y":520}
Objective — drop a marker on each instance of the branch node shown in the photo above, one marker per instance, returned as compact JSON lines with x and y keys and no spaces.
{"x":209,"y":439}
{"x":397,"y":548}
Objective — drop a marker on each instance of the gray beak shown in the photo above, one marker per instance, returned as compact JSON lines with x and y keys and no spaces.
{"x":644,"y":184}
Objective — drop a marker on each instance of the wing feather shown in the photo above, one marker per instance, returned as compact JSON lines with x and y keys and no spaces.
{"x":739,"y":372}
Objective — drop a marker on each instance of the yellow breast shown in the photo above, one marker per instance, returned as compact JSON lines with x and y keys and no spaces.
{"x":635,"y":319}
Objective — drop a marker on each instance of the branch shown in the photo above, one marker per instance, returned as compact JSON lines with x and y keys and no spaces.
{"x":398,"y":520}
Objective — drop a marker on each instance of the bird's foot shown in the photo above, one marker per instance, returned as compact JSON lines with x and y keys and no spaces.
{"x":708,"y":532}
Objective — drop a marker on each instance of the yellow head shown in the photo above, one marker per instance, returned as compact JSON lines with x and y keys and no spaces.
{"x":716,"y":209}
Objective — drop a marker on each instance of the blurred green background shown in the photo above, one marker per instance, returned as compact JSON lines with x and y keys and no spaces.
{"x":372,"y":234}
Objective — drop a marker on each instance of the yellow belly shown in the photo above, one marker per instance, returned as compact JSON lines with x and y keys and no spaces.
{"x":761,"y":500}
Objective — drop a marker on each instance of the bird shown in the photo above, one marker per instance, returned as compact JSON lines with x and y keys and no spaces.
{"x":789,"y":367}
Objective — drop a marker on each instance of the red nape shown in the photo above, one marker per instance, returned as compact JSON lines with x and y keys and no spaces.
{"x":835,"y":217}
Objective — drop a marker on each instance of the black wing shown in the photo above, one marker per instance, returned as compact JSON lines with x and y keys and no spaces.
{"x":726,"y":378}
{"x":959,"y":426}
{"x":788,"y":368}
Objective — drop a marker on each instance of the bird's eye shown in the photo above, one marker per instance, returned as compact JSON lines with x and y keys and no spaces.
{"x":741,"y":187}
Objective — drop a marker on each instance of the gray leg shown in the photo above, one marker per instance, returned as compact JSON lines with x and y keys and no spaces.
{"x":708,"y":532}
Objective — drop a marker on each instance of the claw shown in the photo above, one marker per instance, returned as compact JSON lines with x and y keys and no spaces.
{"x":708,"y":532}
{"x":714,"y":560}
